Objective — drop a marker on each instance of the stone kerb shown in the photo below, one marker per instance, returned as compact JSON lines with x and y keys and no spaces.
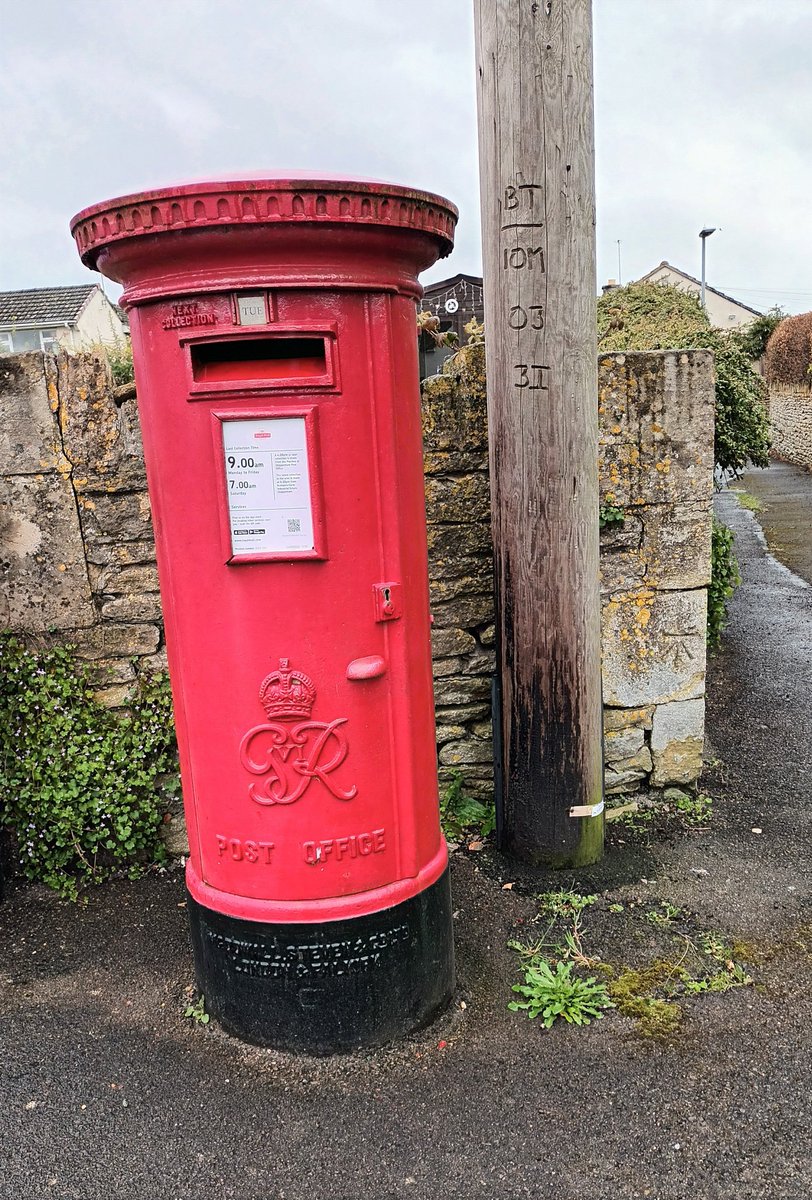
{"x":656,"y":469}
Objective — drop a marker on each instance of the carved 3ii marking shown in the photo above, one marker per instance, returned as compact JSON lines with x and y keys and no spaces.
{"x":532,"y":376}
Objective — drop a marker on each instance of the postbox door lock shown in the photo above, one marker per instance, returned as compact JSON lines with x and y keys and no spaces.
{"x":388,"y":605}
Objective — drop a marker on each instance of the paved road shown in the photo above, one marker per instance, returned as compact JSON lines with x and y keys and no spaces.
{"x":107,"y":1092}
{"x":785,"y":492}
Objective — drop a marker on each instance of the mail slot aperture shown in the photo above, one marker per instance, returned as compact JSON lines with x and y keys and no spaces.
{"x":259,"y":359}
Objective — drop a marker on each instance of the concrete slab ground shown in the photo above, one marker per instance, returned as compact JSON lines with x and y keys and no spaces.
{"x":108,"y":1092}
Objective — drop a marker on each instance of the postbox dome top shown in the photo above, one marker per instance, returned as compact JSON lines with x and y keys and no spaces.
{"x":257,"y":198}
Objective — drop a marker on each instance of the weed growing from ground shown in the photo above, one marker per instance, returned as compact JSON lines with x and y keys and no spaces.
{"x":634,"y":820}
{"x":552,"y":992}
{"x":551,"y":987}
{"x":462,"y":815}
{"x":665,"y":916}
{"x":697,"y":963}
{"x":563,"y":903}
{"x":197,"y":1011}
{"x":747,"y":501}
{"x":694,"y":810}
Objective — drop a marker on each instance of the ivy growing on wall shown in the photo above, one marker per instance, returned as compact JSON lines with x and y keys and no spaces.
{"x":654,"y":316}
{"x":753,"y":338}
{"x":82,"y":789}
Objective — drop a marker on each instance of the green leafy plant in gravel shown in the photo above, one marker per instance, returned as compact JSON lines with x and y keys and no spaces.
{"x":664,"y":916}
{"x":462,"y":815}
{"x":653,"y":316}
{"x":635,"y":820}
{"x":725,"y":578}
{"x":197,"y":1011}
{"x":689,"y":963}
{"x":81,"y":788}
{"x":694,"y":810}
{"x":565,"y":932}
{"x":552,"y":992}
{"x":551,"y":987}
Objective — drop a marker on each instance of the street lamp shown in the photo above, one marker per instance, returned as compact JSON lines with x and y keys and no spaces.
{"x":704,"y":235}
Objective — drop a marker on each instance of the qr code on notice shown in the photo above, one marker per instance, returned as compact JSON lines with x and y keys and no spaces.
{"x":294,"y":525}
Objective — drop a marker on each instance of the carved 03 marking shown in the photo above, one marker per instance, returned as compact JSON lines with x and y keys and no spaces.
{"x":520,"y":318}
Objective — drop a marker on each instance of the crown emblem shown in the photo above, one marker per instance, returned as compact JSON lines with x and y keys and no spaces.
{"x":286,"y":694}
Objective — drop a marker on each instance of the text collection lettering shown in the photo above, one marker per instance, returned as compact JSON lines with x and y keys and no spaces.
{"x":183,"y":316}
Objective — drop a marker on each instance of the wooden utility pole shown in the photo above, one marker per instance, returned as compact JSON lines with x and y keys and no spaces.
{"x":537,"y":164}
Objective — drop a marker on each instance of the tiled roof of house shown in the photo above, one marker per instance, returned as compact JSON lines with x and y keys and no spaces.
{"x":443,"y":285}
{"x":698,"y":282}
{"x":44,"y":306}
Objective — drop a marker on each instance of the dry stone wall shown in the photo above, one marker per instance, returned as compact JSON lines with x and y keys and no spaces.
{"x":79,"y":562}
{"x":78,"y":555}
{"x":790,"y":409}
{"x":656,"y":470}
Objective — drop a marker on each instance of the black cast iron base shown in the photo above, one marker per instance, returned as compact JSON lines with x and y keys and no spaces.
{"x":329,"y":988}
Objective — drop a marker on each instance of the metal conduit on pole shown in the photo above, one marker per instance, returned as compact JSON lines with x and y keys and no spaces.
{"x":536,"y":144}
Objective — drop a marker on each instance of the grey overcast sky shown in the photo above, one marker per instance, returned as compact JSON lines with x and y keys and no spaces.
{"x":703,"y":111}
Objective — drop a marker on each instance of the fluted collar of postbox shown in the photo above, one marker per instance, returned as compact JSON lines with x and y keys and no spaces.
{"x":263,"y":201}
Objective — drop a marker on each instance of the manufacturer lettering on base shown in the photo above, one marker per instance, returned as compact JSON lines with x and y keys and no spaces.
{"x":312,"y":959}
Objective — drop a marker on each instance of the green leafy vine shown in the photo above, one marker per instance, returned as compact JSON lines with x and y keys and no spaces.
{"x":82,"y":789}
{"x":725,"y":578}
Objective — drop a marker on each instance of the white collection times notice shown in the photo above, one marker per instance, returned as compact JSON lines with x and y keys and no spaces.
{"x":268,"y":484}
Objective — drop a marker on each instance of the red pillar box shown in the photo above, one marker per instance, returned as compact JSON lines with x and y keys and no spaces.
{"x":273,"y":332}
